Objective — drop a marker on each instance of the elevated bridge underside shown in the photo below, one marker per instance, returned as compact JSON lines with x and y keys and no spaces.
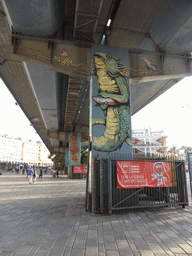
{"x":45,"y":55}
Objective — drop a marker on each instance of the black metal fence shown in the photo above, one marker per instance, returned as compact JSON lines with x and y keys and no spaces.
{"x":108,"y":198}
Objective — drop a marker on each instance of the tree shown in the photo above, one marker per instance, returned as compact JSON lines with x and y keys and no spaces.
{"x":59,"y":163}
{"x":173,"y":150}
{"x":186,"y":150}
{"x":84,"y":157}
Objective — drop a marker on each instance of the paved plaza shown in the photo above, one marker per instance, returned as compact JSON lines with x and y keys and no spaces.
{"x":49,"y":219}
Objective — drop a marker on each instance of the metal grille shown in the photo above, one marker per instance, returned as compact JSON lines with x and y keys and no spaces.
{"x":111,"y":199}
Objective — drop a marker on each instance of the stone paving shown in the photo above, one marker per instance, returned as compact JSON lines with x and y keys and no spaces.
{"x":49,"y":219}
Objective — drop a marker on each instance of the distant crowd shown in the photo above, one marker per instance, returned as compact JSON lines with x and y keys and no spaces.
{"x":39,"y":170}
{"x":33,"y":172}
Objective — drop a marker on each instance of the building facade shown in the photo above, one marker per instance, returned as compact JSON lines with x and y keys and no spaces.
{"x":16,"y":150}
{"x":10,"y":149}
{"x":30,"y":152}
{"x":148,"y":143}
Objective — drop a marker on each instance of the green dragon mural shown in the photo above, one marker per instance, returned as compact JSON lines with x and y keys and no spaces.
{"x":114,"y":100}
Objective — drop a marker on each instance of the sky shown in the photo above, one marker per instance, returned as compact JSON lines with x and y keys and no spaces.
{"x":13,"y":122}
{"x":171,"y":113}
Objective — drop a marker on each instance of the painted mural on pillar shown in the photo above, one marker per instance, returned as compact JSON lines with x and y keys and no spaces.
{"x":113,"y":98}
{"x":74,"y":148}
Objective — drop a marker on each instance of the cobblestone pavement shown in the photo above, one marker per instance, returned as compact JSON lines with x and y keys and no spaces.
{"x":49,"y":219}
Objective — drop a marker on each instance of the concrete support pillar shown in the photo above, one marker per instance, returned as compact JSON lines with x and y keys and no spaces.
{"x":110,"y":113}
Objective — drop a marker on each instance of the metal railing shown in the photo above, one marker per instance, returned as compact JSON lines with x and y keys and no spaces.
{"x":111,"y":199}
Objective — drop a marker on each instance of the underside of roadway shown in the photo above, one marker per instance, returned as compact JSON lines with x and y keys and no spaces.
{"x":49,"y":218}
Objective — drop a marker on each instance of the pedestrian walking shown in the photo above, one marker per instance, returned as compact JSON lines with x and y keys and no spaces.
{"x":34,"y":176}
{"x":30,"y":176}
{"x":40,"y":173}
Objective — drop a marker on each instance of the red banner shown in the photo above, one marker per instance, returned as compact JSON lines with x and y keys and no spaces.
{"x":79,"y":169}
{"x":140,"y":174}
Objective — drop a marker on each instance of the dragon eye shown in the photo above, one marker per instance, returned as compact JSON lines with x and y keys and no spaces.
{"x":108,"y":57}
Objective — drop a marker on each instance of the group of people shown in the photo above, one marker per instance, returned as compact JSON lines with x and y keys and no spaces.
{"x":32,"y":174}
{"x":56,"y":174}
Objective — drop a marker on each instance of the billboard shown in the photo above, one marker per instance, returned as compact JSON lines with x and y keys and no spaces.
{"x":79,"y":169}
{"x":190,"y":164}
{"x":190,"y":168}
{"x":140,"y":174}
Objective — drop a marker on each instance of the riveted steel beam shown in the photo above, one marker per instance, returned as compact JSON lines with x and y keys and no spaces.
{"x":56,"y":135}
{"x":74,"y":59}
{"x":57,"y":150}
